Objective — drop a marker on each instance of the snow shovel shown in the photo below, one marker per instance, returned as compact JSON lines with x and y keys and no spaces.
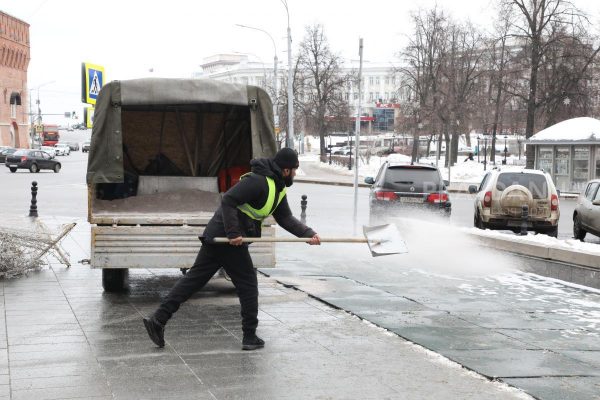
{"x":383,"y":240}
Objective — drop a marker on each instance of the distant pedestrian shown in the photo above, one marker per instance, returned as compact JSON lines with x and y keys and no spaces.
{"x":256,"y":196}
{"x":469,"y":157}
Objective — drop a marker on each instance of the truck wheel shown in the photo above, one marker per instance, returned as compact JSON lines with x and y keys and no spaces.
{"x":114,"y":280}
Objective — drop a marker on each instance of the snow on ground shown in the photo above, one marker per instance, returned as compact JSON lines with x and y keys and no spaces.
{"x":541,"y":240}
{"x":464,"y":171}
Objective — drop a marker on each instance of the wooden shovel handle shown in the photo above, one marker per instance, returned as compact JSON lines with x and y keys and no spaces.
{"x":294,"y":239}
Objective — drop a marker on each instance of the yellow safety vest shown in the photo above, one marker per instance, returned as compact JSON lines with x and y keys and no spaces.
{"x":268,"y":208}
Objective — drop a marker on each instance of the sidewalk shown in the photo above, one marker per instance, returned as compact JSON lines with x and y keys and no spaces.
{"x":67,"y":339}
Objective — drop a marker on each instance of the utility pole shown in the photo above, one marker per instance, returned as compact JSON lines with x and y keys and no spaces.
{"x":357,"y":131}
{"x":289,"y":134}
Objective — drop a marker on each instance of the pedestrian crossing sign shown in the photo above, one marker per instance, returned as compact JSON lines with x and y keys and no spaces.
{"x":92,"y":80}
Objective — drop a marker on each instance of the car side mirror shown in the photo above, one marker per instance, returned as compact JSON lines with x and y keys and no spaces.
{"x":472,"y":189}
{"x":596,"y":202}
{"x":446,"y":183}
{"x":369,"y":180}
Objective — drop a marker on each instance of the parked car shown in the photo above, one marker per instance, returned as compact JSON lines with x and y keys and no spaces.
{"x":502,"y":194}
{"x":6,"y":151}
{"x":344,"y":151}
{"x":586,"y":216}
{"x":50,"y":150}
{"x":405,"y":185}
{"x":74,"y":146}
{"x":62,"y":149}
{"x":33,"y":160}
{"x":85,"y":147}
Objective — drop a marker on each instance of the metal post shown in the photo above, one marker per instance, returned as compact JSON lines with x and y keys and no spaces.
{"x":357,"y":140}
{"x":303,"y":203}
{"x":33,"y":208}
{"x":290,"y":130}
{"x":524,"y":218}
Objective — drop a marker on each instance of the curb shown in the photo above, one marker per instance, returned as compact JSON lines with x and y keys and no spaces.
{"x":573,"y":257}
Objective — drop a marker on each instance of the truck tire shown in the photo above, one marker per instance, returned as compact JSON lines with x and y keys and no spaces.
{"x":114,"y":280}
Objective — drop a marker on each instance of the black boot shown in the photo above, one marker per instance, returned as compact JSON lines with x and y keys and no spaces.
{"x":155,"y":330}
{"x":252,"y":342}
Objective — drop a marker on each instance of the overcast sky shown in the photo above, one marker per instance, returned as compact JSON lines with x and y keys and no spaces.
{"x":130,"y":37}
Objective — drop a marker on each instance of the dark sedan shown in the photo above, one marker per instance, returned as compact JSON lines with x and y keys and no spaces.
{"x":4,"y":152}
{"x":33,"y":160}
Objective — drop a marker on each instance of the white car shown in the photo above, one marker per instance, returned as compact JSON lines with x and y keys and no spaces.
{"x":502,"y":194}
{"x":50,"y":150}
{"x":62,"y":149}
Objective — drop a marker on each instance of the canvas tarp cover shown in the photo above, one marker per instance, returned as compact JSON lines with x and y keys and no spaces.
{"x":105,"y":162}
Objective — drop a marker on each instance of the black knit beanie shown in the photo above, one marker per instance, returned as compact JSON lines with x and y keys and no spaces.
{"x":287,"y":158}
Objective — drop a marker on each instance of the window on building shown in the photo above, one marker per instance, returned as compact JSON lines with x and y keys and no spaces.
{"x":581,"y":166}
{"x":371,"y":96}
{"x":386,"y":97}
{"x":597,"y":161}
{"x":371,"y":80}
{"x":384,"y":120}
{"x":545,"y":158}
{"x":387,"y":80}
{"x":355,"y":96}
{"x":377,"y":80}
{"x":562,"y":158}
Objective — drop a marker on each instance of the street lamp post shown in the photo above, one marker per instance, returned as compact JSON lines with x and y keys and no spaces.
{"x":478,"y":150}
{"x":275,"y":62}
{"x":484,"y":152}
{"x":290,"y":93}
{"x":505,"y":150}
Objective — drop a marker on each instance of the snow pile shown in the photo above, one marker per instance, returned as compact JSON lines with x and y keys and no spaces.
{"x":575,"y":129}
{"x":541,"y":240}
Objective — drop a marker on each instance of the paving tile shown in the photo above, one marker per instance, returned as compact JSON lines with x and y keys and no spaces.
{"x":558,"y":388}
{"x":511,"y":363}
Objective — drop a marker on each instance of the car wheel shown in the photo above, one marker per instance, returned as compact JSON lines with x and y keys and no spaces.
{"x":34,"y":168}
{"x":13,"y":169}
{"x":578,"y":231}
{"x":553,"y":232}
{"x":57,"y":168}
{"x":478,"y":222}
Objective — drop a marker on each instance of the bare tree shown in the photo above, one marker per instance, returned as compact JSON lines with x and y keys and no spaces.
{"x":323,"y":81}
{"x":461,"y":64}
{"x":420,"y":71}
{"x":539,"y":25}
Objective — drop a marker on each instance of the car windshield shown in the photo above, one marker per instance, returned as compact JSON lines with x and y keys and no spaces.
{"x":21,"y":153}
{"x":420,"y":179}
{"x":536,"y":183}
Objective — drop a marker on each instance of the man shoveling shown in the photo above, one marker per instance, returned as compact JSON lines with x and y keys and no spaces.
{"x":256,"y":196}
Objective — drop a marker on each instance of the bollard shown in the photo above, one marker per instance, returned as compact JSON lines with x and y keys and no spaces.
{"x":303,"y":208}
{"x":33,"y":208}
{"x":524,"y":218}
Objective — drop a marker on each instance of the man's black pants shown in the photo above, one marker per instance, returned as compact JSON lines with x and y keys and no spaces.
{"x":237,"y":263}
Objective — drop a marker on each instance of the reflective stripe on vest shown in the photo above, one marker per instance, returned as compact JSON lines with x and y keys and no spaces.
{"x":269,"y":206}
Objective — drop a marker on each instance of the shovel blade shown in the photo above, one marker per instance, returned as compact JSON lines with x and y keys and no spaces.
{"x":384,"y":240}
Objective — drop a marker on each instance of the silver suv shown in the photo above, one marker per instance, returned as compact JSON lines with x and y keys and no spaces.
{"x":501,"y":196}
{"x":586,"y":217}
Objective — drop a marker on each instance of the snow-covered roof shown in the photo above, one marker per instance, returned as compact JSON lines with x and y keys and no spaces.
{"x":579,"y":130}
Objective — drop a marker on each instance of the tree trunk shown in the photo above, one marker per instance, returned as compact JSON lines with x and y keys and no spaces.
{"x":531,"y":101}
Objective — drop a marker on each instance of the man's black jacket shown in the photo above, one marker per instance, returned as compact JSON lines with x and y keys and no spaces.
{"x":230,"y":222}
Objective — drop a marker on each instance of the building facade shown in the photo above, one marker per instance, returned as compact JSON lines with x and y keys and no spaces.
{"x":14,"y":61}
{"x":380,"y":103}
